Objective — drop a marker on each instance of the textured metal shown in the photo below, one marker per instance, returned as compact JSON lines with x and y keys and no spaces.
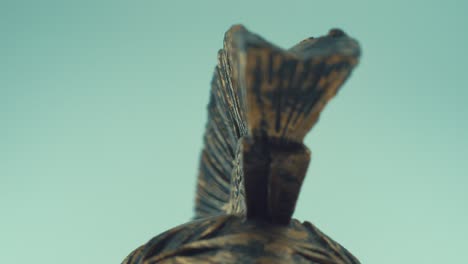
{"x":230,"y":239}
{"x":264,"y":100}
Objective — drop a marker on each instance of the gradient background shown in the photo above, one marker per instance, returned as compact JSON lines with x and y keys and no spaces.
{"x":103,"y":107}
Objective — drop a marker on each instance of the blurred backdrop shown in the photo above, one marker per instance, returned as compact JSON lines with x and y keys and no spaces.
{"x":103,"y":107}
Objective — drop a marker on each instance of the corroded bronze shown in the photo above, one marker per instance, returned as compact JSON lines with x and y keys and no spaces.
{"x":263,"y":102}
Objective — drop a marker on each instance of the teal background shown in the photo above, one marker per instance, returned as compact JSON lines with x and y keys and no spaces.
{"x":103,"y":107}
